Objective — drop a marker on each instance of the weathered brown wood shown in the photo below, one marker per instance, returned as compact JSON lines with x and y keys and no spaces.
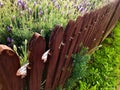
{"x":97,"y":30}
{"x":92,"y":26}
{"x":55,"y":44}
{"x":79,"y":22}
{"x":104,"y":19}
{"x":36,"y":47}
{"x":108,"y":14}
{"x":70,"y":51}
{"x":115,"y":17}
{"x":86,"y":29}
{"x":69,"y":71}
{"x":9,"y":64}
{"x":81,"y":32}
{"x":63,"y":54}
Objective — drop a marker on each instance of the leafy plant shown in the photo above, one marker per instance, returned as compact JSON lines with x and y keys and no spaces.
{"x":24,"y":53}
{"x":80,"y":67}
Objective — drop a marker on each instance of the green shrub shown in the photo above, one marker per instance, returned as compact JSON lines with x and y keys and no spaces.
{"x":80,"y":69}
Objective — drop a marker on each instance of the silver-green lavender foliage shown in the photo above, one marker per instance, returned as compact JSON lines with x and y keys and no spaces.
{"x":19,"y":19}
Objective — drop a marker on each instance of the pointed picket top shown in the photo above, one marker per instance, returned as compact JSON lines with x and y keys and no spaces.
{"x":9,"y":64}
{"x":36,"y":48}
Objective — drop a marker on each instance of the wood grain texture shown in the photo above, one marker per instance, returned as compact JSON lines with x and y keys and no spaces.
{"x":36,"y":47}
{"x":9,"y":64}
{"x":63,"y":51}
{"x":55,"y":45}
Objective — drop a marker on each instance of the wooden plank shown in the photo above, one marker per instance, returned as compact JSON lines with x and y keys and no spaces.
{"x":69,"y":71}
{"x":86,"y":28}
{"x":70,"y":51}
{"x":107,"y":12}
{"x":55,"y":44}
{"x":9,"y":64}
{"x":115,"y":17}
{"x":79,"y":22}
{"x":63,"y":51}
{"x":91,"y":27}
{"x":104,"y":18}
{"x":36,"y":47}
{"x":96,"y":27}
{"x":81,"y":32}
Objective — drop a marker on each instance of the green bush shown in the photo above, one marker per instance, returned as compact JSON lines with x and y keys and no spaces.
{"x":80,"y":69}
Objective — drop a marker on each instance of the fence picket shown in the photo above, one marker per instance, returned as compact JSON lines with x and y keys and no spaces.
{"x":55,"y":44}
{"x":70,"y":51}
{"x":36,"y":47}
{"x":9,"y":64}
{"x":107,"y":12}
{"x":115,"y":17}
{"x":81,"y":32}
{"x":67,"y":34}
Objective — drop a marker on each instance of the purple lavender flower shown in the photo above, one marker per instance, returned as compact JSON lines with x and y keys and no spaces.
{"x":81,"y":9}
{"x":19,"y":1}
{"x":53,"y":1}
{"x":10,"y":45}
{"x":9,"y":39}
{"x":9,"y":28}
{"x":21,"y":4}
{"x":41,"y":12}
{"x":1,"y":4}
{"x":35,"y":3}
{"x":58,"y":6}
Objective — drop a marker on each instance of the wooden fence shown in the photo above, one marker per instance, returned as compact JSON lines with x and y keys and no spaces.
{"x":49,"y":69}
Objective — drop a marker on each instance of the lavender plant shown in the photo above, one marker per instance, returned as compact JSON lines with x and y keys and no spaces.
{"x":19,"y":19}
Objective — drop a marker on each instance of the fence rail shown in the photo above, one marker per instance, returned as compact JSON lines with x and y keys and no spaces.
{"x":49,"y":69}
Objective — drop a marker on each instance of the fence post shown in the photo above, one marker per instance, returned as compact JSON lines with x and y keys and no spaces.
{"x":9,"y":64}
{"x":36,"y":47}
{"x":55,"y":45}
{"x":115,"y":17}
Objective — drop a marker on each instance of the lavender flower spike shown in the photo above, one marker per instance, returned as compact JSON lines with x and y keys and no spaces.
{"x":1,"y":4}
{"x":9,"y":39}
{"x":21,"y":3}
{"x":41,"y":12}
{"x":9,"y":29}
